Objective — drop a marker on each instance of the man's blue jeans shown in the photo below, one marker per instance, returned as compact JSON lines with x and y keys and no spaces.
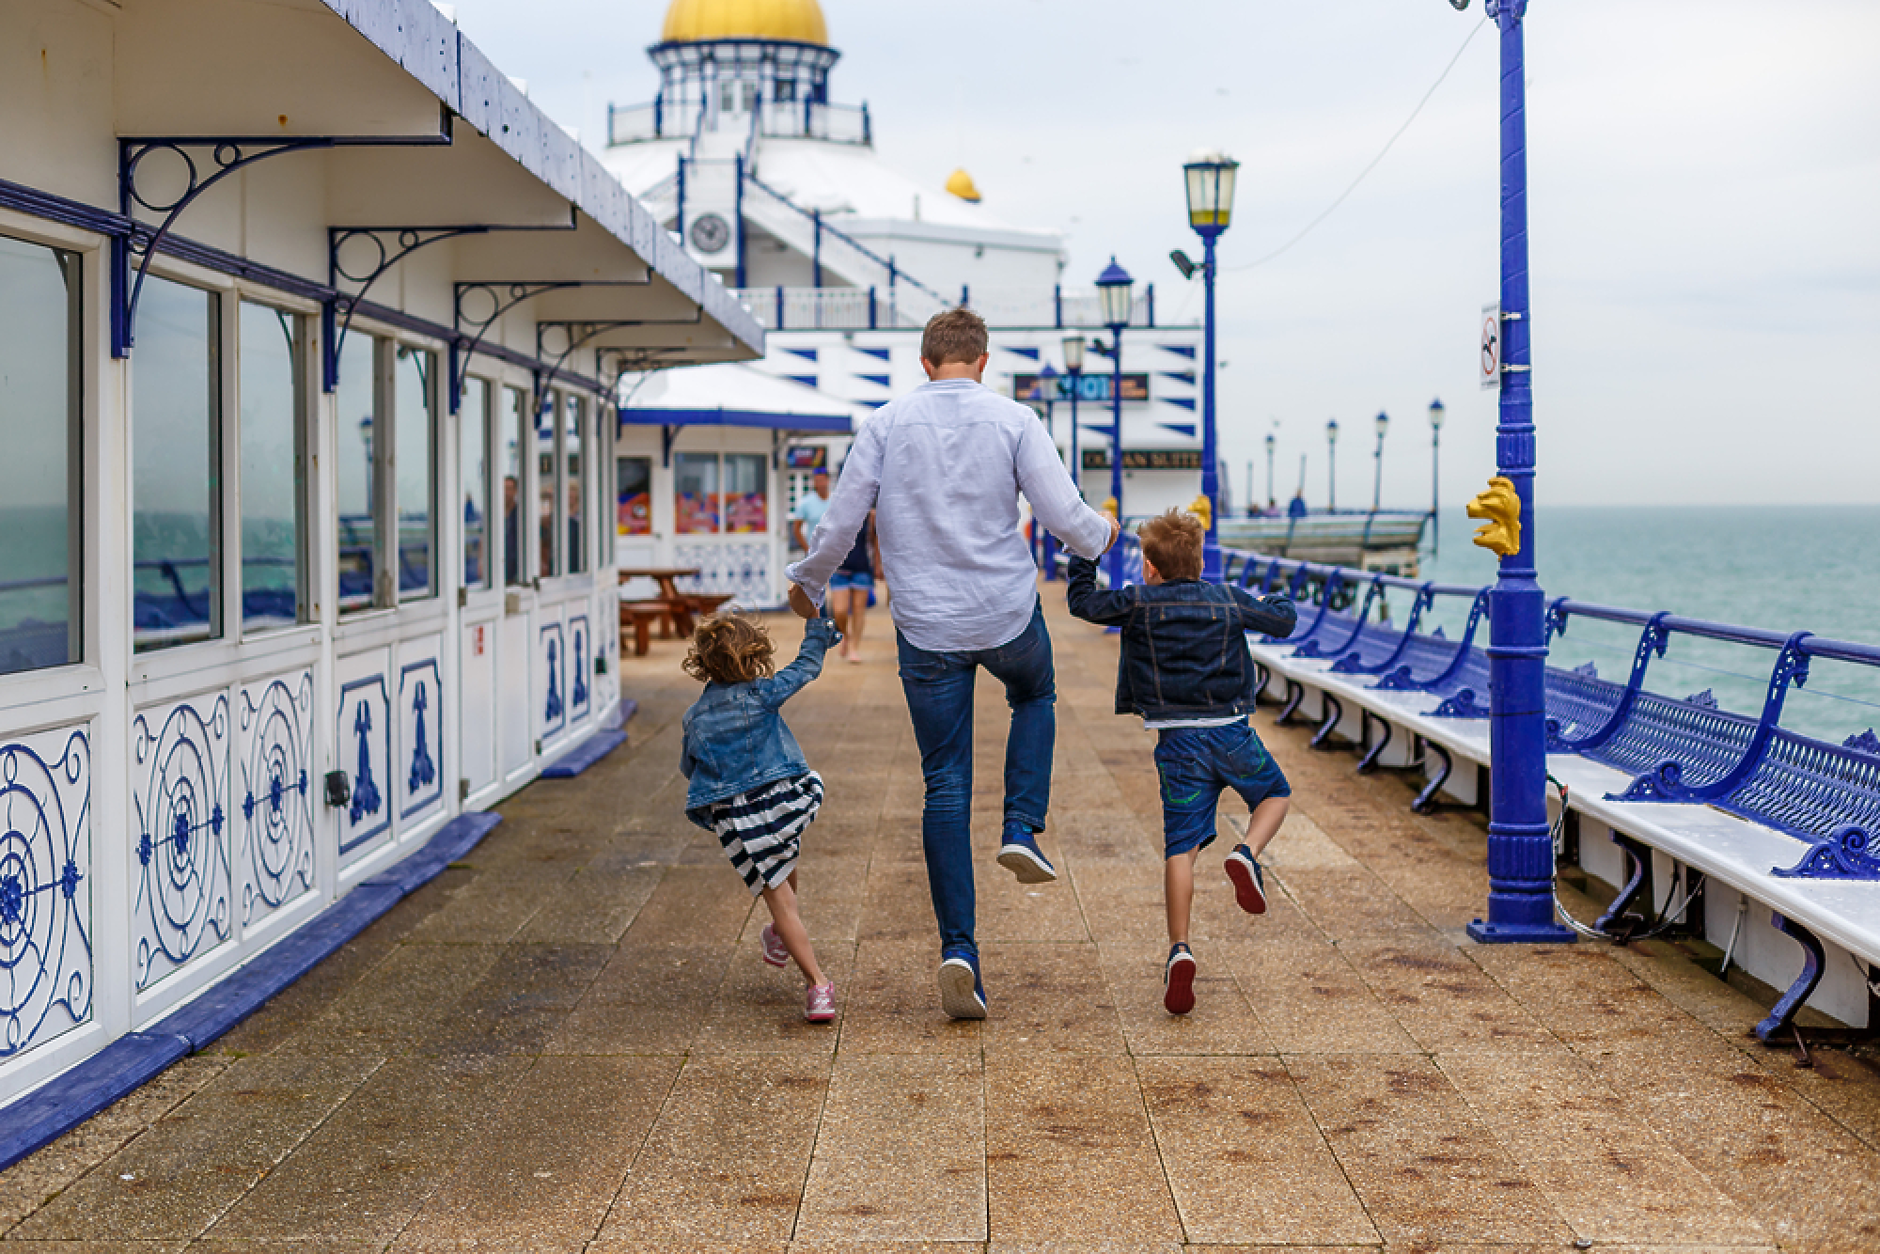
{"x":939,"y":689}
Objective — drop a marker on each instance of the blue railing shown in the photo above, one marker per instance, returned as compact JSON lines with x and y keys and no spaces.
{"x":1675,"y":749}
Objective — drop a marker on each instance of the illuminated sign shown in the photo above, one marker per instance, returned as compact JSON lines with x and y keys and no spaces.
{"x":1145,"y":459}
{"x":1039,"y":390}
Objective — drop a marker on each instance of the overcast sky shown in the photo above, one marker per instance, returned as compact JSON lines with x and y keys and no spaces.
{"x":1705,"y":184}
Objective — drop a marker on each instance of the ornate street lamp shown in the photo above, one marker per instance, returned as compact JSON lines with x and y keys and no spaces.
{"x":1331,"y":465}
{"x":1074,"y":366}
{"x":1437,"y":413}
{"x":1043,"y":541}
{"x":1272,"y":442}
{"x":1377,"y":480}
{"x":1210,"y":178}
{"x":1116,"y":294}
{"x":1520,"y":843}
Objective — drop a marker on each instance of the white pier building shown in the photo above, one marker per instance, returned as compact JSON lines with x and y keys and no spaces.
{"x":310,"y":331}
{"x":776,"y":187}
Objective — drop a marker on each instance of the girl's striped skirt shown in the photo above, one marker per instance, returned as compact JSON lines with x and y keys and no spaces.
{"x":760,"y":830}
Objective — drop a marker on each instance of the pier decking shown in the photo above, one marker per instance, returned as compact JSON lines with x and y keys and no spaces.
{"x":568,"y":1042}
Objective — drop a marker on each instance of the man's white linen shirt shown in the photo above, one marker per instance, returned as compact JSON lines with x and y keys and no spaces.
{"x":942,"y":468}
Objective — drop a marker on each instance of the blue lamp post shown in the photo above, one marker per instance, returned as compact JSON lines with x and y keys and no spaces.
{"x":1272,"y":442}
{"x":1045,"y":542}
{"x":1331,"y":465}
{"x":1520,"y":846}
{"x":1074,"y":366}
{"x":1210,"y":179}
{"x":1437,"y":414}
{"x":1377,"y":480}
{"x":1116,"y":294}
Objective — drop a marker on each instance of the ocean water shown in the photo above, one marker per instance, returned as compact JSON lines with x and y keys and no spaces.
{"x":1784,"y":569}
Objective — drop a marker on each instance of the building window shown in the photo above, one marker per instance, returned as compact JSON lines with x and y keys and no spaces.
{"x":271,"y":475}
{"x":545,"y":484}
{"x":415,"y":480}
{"x":175,"y":477}
{"x":573,"y":409}
{"x":358,"y":471}
{"x":633,"y":496}
{"x":695,"y":493}
{"x":510,"y":456}
{"x":747,"y":496}
{"x":473,"y":473}
{"x":40,"y":555}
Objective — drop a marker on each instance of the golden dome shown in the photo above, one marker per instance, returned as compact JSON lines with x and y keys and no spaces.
{"x":960,"y":183}
{"x":693,"y":21}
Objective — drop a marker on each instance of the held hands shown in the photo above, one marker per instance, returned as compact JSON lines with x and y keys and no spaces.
{"x":1116,"y":532}
{"x":800,"y":602}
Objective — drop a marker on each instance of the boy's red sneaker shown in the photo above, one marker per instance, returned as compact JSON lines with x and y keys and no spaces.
{"x":1249,"y":880}
{"x":1178,"y":980}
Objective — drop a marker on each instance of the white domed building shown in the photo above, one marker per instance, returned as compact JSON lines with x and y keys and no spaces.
{"x":745,"y":155}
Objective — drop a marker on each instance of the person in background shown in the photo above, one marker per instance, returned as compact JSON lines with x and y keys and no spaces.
{"x":809,"y":509}
{"x":1298,"y":507}
{"x":851,"y":586}
{"x":512,"y":536}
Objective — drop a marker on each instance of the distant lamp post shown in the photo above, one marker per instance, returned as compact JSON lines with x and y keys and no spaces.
{"x":1437,"y":414}
{"x":1210,"y":178}
{"x":1331,"y":465}
{"x":1043,"y":541}
{"x":1116,"y":295}
{"x":1272,"y":442}
{"x":1377,"y":480}
{"x":1074,"y":366}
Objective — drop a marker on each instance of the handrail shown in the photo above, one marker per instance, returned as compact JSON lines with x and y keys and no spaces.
{"x":848,"y":239}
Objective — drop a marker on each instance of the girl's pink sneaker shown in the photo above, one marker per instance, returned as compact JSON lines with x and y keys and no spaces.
{"x":819,"y":1003}
{"x":774,"y":952}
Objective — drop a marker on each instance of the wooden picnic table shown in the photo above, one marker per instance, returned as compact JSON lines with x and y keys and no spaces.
{"x":677,"y":611}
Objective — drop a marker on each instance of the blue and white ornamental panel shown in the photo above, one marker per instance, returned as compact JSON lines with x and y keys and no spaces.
{"x":363,"y":739}
{"x":421,"y":739}
{"x":551,"y":651}
{"x":580,"y":667}
{"x":274,"y":794}
{"x":179,"y":771}
{"x":45,"y":888}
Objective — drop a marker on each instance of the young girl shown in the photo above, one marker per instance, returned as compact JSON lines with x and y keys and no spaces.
{"x":749,"y":782}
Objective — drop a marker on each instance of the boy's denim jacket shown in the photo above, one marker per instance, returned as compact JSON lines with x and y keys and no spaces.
{"x":1184,"y":651}
{"x":735,"y":737}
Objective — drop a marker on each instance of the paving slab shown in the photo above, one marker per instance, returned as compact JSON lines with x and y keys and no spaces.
{"x":568,"y":1042}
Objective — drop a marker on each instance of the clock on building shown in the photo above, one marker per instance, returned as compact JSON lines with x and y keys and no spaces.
{"x":710,"y":233}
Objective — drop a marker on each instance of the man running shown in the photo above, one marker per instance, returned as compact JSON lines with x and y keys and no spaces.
{"x":943,"y":468}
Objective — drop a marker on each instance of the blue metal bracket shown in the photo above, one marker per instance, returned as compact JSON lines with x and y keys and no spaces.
{"x":203,"y":162}
{"x":1347,"y":649}
{"x":1651,"y":642}
{"x":1402,"y":680}
{"x":386,"y":247}
{"x":474,"y":318}
{"x":1353,"y":664}
{"x":1782,"y":1014}
{"x":1846,"y":855}
{"x":580,"y":333}
{"x":1462,"y":705}
{"x":1334,"y":583}
{"x":1666,"y":781}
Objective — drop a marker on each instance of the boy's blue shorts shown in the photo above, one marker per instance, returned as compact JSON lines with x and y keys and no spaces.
{"x":1196,"y":763}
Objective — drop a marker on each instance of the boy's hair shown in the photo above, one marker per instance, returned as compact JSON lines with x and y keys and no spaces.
{"x":1172,"y":543}
{"x":954,"y":335}
{"x":730,"y":649}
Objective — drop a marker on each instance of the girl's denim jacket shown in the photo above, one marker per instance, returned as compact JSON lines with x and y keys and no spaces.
{"x":735,"y":737}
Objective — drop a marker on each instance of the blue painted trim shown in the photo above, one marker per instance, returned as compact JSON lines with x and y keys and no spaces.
{"x":819,"y":423}
{"x":1182,"y":376}
{"x":807,"y":380}
{"x":1030,"y":353}
{"x":882,"y":354}
{"x":807,"y":354}
{"x":585,"y":754}
{"x":1180,"y":350}
{"x":132,"y":1060}
{"x":622,"y":714}
{"x":108,"y":1075}
{"x":1179,"y":428}
{"x":879,"y":380}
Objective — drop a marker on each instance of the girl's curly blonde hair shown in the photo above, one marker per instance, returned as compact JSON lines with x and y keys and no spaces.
{"x":730,"y":649}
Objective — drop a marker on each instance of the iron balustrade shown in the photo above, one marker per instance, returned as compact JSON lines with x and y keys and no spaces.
{"x":1688,"y":750}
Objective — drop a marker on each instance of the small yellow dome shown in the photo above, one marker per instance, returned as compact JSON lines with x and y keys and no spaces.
{"x":960,"y":183}
{"x":693,"y":21}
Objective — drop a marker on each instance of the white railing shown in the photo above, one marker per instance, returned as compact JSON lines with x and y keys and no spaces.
{"x":862,"y":308}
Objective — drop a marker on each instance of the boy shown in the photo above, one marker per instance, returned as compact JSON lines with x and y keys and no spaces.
{"x":1184,"y":668}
